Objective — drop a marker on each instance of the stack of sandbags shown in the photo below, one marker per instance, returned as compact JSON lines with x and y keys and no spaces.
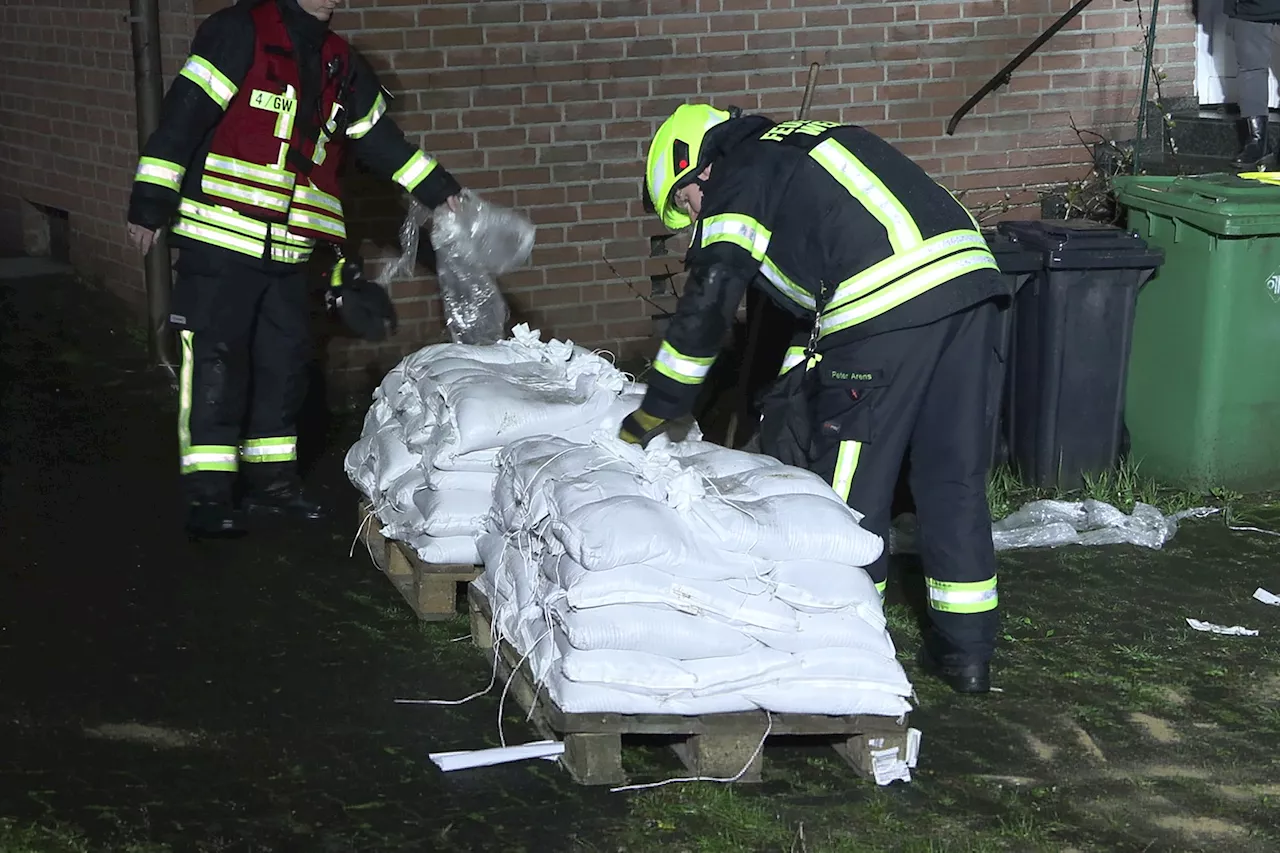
{"x":687,"y":579}
{"x":426,"y":458}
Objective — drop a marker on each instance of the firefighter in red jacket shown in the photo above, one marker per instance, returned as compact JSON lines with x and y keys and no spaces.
{"x":244,"y":171}
{"x":894,"y":295}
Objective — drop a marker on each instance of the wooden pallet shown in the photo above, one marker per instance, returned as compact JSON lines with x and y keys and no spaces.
{"x":711,"y":745}
{"x":431,"y":591}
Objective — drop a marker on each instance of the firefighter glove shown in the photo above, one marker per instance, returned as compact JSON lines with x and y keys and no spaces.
{"x":640,"y":427}
{"x":363,"y":305}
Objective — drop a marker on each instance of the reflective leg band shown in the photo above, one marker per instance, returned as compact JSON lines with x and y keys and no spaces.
{"x":846,"y":465}
{"x":880,"y":587}
{"x":950,"y":597}
{"x":281,"y":449}
{"x":209,"y":457}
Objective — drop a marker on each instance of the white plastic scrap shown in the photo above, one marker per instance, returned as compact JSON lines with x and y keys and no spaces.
{"x":1052,"y":524}
{"x":889,"y":766}
{"x":1266,"y":597}
{"x":1233,"y":631}
{"x":463,"y":759}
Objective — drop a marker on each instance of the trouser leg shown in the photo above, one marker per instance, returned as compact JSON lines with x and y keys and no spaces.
{"x":949,"y":464}
{"x":1253,"y":62}
{"x":213,"y":312}
{"x":280,"y":337}
{"x":866,"y":400}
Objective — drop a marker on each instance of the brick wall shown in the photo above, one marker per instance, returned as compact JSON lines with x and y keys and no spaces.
{"x":68,"y":132}
{"x":547,"y":106}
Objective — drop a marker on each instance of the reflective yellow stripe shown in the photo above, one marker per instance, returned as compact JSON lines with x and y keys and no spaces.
{"x":794,"y":356}
{"x":162,"y":173}
{"x":870,"y":192}
{"x":413,"y":173}
{"x":210,"y":457}
{"x":786,"y":286}
{"x":335,"y":274}
{"x":906,"y":288}
{"x":317,"y":222}
{"x":846,"y":466}
{"x":265,"y":199}
{"x":313,"y":197}
{"x":952,"y":597}
{"x":224,"y":218}
{"x":204,"y":74}
{"x":251,"y":246}
{"x":880,"y":587}
{"x":361,"y":128}
{"x":276,"y":177}
{"x":896,"y":266}
{"x":739,"y":230}
{"x":685,"y":369}
{"x":186,"y":371}
{"x":283,"y":449}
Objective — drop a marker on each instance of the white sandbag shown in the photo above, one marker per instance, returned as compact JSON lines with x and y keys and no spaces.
{"x":461,"y":481}
{"x":445,"y":551}
{"x":835,"y":698}
{"x":649,"y":628}
{"x":642,"y":672}
{"x":400,"y":493}
{"x":842,"y":629}
{"x":740,"y":602}
{"x":585,"y":698}
{"x":479,"y":460}
{"x":818,"y":586}
{"x":655,"y":534}
{"x":452,"y":513}
{"x":783,"y":527}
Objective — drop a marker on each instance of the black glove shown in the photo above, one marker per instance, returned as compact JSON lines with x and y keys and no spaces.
{"x":363,"y":305}
{"x":640,"y":428}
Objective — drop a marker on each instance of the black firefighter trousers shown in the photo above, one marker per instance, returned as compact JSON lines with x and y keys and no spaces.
{"x":245,"y":342}
{"x":923,"y":390}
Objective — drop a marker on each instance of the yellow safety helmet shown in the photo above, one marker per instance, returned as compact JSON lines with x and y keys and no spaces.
{"x":675,"y":155}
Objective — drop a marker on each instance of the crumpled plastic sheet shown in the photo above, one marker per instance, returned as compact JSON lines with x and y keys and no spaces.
{"x":474,"y":245}
{"x":1052,"y":524}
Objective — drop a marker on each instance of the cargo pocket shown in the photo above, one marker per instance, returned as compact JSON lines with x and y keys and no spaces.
{"x":785,"y":425}
{"x":844,"y":418}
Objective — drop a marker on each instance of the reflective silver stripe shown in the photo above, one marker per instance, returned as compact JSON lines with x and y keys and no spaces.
{"x":218,"y":237}
{"x":412,"y":173}
{"x":226,"y":218}
{"x":896,"y":266}
{"x":740,"y":230}
{"x":318,"y":222}
{"x":904,"y":289}
{"x":208,"y":458}
{"x":316,"y":198}
{"x":160,"y":172}
{"x":863,"y":185}
{"x":361,"y":128}
{"x":204,"y":74}
{"x":264,"y":199}
{"x":672,"y":363}
{"x":786,"y":286}
{"x":269,"y":449}
{"x":252,"y":171}
{"x":794,"y":357}
{"x":846,"y":467}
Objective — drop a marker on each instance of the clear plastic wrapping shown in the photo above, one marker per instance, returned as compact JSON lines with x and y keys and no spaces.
{"x":474,"y":245}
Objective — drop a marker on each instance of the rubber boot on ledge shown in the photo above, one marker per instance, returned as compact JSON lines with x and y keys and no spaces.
{"x":1254,"y":156}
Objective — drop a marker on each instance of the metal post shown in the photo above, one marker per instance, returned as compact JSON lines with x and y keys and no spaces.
{"x":144,"y":16}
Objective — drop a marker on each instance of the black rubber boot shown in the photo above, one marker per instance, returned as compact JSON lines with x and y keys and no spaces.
{"x":212,"y":521}
{"x":1254,"y":156}
{"x":283,"y":499}
{"x":960,"y":677}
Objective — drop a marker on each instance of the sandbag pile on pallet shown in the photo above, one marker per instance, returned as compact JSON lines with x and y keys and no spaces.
{"x":426,"y":457}
{"x":686,"y":579}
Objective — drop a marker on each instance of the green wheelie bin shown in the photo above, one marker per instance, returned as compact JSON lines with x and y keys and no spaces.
{"x":1203,"y":399}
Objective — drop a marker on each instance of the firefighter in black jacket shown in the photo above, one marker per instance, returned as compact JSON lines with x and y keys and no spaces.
{"x":895,"y":296}
{"x":245,"y":170}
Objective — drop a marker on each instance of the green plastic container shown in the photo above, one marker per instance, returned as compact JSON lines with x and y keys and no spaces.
{"x":1203,"y":398}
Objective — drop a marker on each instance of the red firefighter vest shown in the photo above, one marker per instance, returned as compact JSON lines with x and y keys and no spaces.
{"x":268,"y":161}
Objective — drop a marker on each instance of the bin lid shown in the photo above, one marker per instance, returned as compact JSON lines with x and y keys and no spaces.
{"x":1222,"y":204}
{"x":1013,"y":258}
{"x":1082,"y":244}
